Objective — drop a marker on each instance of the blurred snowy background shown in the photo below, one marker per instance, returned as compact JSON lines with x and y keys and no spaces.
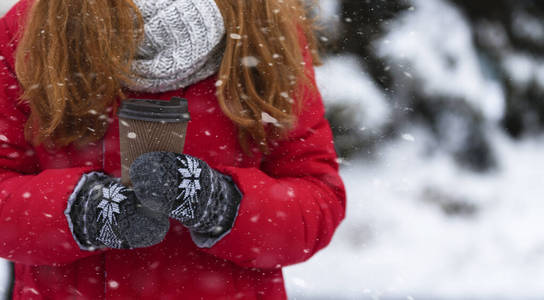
{"x":438,"y":113}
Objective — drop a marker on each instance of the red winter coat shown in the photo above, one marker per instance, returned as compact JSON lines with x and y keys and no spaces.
{"x":293,"y":201}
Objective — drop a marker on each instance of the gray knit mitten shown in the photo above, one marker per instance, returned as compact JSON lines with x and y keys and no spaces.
{"x":102,"y":212}
{"x":188,"y":190}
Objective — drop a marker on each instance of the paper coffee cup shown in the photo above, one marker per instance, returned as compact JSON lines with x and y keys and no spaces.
{"x":148,"y":126}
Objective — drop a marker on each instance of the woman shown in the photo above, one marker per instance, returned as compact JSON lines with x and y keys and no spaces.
{"x":256,"y":189}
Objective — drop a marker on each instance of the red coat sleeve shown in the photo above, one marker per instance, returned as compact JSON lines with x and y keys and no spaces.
{"x":33,"y":227}
{"x":293,"y":204}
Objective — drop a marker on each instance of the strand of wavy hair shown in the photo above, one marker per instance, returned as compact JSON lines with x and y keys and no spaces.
{"x":70,"y":61}
{"x":263,"y":73}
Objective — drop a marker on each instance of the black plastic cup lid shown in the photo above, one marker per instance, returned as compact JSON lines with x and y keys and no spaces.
{"x":173,"y":111}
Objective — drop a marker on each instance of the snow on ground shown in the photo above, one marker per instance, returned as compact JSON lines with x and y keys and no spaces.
{"x":396,"y":243}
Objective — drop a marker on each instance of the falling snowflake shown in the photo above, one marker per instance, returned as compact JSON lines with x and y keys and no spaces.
{"x":249,"y":61}
{"x":111,"y":197}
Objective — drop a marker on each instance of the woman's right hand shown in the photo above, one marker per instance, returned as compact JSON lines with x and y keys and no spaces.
{"x":103,"y":212}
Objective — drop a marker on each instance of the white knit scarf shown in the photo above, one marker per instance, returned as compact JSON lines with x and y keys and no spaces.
{"x":183,"y":44}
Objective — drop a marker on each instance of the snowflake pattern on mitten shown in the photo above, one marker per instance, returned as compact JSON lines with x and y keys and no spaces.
{"x":189,"y":186}
{"x":109,"y":206}
{"x":103,"y":212}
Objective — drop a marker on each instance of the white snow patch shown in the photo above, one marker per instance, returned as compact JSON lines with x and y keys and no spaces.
{"x":433,"y":43}
{"x":342,"y":79}
{"x":4,"y":277}
{"x":5,"y":5}
{"x":408,"y":137}
{"x":520,"y":67}
{"x":524,"y":69}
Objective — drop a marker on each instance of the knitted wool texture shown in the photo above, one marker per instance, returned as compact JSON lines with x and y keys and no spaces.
{"x":102,"y":212}
{"x":183,"y":44}
{"x":188,"y":190}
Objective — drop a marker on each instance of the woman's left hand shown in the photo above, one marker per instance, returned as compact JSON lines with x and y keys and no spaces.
{"x":187,"y":189}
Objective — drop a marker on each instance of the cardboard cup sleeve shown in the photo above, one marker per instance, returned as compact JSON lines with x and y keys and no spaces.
{"x":148,"y":126}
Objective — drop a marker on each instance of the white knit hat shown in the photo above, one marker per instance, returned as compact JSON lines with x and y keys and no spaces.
{"x":182,"y":44}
